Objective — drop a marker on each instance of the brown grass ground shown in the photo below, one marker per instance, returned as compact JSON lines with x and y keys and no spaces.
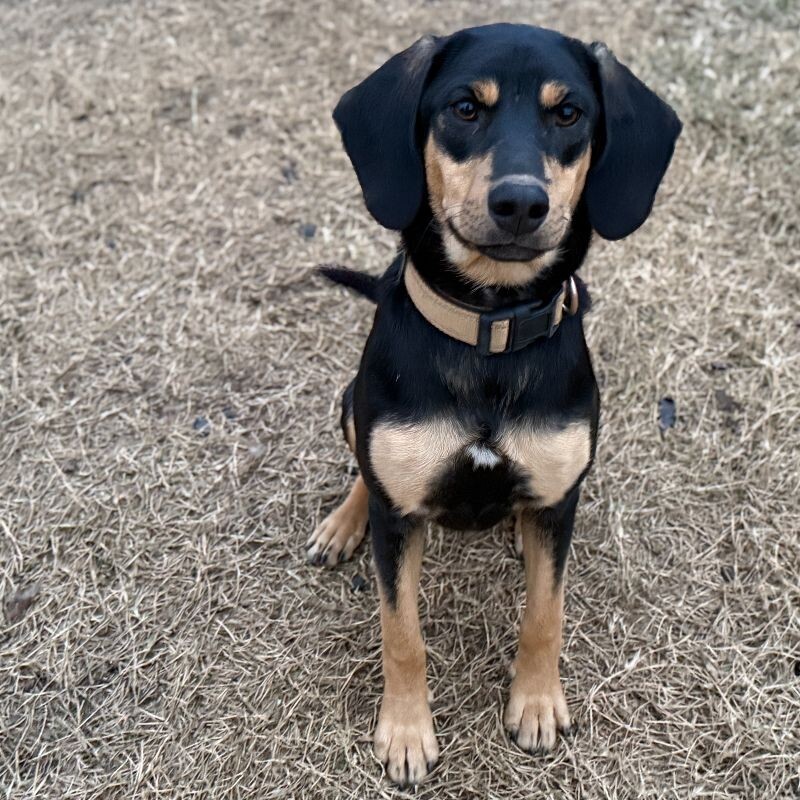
{"x":157,"y":165}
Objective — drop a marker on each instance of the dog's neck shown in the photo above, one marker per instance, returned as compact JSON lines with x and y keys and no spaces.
{"x":423,"y":243}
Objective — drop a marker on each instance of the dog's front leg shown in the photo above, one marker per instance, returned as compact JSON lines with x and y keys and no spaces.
{"x":404,"y":739}
{"x":536,"y":707}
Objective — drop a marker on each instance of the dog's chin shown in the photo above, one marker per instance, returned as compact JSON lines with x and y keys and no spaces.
{"x":508,"y":252}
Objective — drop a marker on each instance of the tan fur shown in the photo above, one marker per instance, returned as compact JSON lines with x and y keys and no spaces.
{"x":484,"y":271}
{"x":486,"y":92}
{"x":536,"y":706}
{"x":407,"y":457}
{"x":458,"y":193}
{"x":453,"y":184}
{"x":350,"y":434}
{"x":552,"y":459}
{"x":340,"y":533}
{"x":404,"y":738}
{"x":552,"y":93}
{"x":403,"y":648}
{"x":565,"y":184}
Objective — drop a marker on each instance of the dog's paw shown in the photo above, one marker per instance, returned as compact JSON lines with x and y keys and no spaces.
{"x":405,"y":742}
{"x":535,"y":713}
{"x":341,"y":532}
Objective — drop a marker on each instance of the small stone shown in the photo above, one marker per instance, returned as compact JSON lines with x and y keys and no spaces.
{"x":308,"y":230}
{"x":289,"y":172}
{"x":725,"y":402}
{"x":202,"y":426}
{"x":358,"y":583}
{"x":19,"y":601}
{"x":229,"y":412}
{"x":666,"y":413}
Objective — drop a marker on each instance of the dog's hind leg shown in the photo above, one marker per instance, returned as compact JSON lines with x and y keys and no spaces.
{"x":340,"y":533}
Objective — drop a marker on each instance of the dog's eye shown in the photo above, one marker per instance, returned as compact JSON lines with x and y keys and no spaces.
{"x":567,"y":114}
{"x":466,"y":110}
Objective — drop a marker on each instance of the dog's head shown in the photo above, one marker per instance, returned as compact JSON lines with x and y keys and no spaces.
{"x":504,"y":129}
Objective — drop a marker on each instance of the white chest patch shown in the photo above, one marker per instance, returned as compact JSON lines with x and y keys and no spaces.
{"x":483,"y":457}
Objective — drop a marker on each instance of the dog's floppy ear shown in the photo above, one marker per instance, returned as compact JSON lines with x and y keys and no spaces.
{"x":638,"y":137}
{"x":377,"y":120}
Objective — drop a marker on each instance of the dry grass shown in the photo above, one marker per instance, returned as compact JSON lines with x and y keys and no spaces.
{"x":157,"y":166}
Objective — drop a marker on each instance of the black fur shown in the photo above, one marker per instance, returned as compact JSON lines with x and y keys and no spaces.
{"x":377,"y":120}
{"x":360,"y":282}
{"x":638,"y":137}
{"x":390,"y":533}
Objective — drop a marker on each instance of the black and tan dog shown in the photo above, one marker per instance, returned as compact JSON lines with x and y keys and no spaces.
{"x":496,"y":151}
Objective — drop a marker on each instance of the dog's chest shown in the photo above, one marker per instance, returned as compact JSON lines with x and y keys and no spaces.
{"x":464,"y":476}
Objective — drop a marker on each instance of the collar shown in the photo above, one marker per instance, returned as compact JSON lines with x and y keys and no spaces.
{"x":503,"y":330}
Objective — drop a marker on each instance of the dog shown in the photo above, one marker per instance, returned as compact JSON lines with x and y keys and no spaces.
{"x":496,"y":152}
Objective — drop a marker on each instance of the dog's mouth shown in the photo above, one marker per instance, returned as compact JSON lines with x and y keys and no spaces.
{"x":502,"y":251}
{"x":509,"y":252}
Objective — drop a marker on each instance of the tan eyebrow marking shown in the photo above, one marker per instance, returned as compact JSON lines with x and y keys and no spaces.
{"x":487,"y":92}
{"x":552,"y":93}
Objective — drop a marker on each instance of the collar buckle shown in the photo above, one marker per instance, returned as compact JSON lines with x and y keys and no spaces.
{"x":527,"y":322}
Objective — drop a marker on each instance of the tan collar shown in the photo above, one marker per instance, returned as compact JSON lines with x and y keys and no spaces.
{"x":504,"y":330}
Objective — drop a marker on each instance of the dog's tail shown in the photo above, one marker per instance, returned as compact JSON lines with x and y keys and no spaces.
{"x":360,"y":282}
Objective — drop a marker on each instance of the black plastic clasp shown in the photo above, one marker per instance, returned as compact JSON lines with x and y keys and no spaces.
{"x":526,"y":324}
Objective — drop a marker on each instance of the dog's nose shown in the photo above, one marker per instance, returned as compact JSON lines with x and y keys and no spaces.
{"x":518,"y":207}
